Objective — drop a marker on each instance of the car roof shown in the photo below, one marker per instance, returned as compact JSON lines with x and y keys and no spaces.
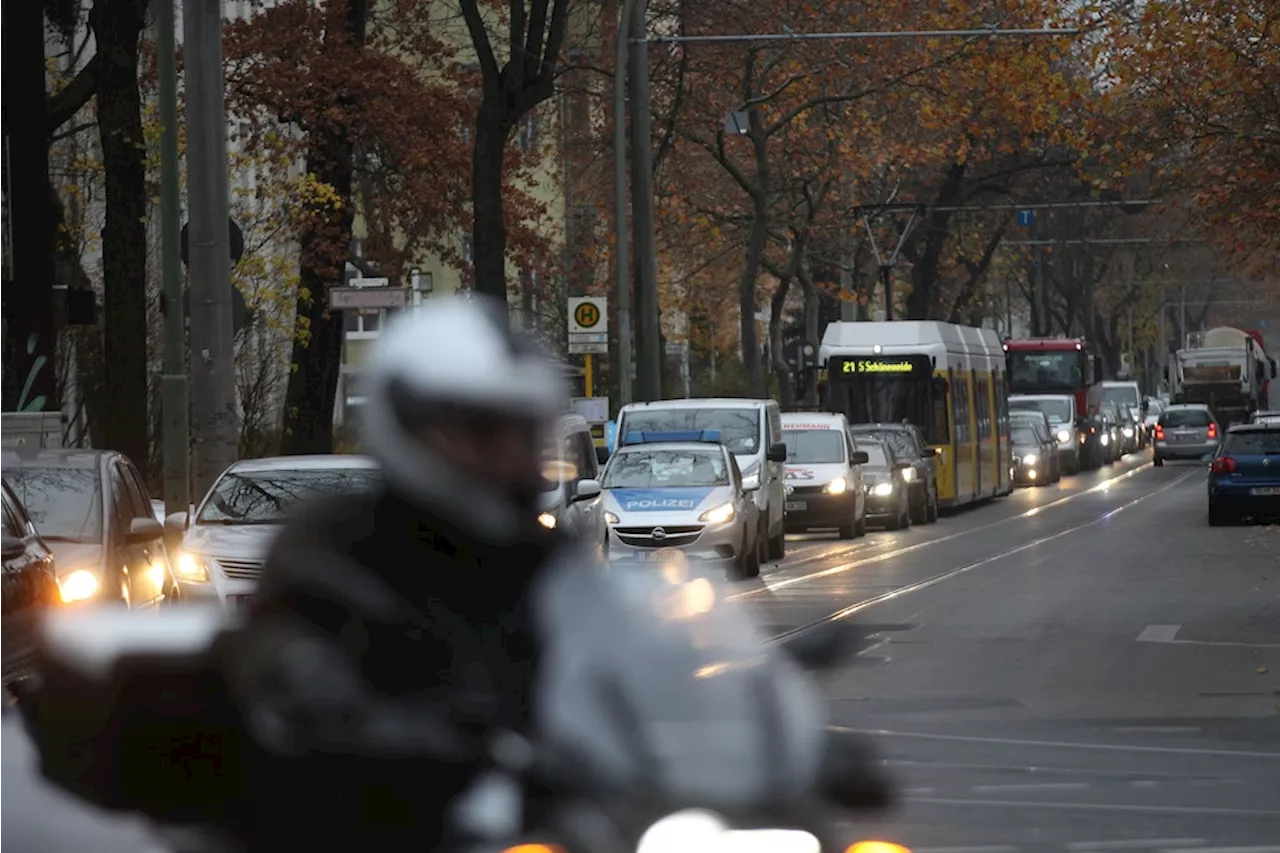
{"x":882,"y":426}
{"x":1042,"y":397}
{"x":672,"y":445}
{"x":1200,"y":406}
{"x":699,"y":403}
{"x":802,"y":418}
{"x":316,"y":462}
{"x":54,"y":457}
{"x":1254,"y":428}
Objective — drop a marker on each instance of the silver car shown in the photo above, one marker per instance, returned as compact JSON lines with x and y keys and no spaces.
{"x":683,"y":495}
{"x":1186,"y":431}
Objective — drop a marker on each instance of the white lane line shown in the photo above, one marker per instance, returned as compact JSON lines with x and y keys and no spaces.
{"x":1267,"y":848}
{"x":1133,"y":844}
{"x":960,"y":570}
{"x":1113,"y":807}
{"x":1158,"y":730}
{"x":1159,"y":633}
{"x":766,"y":586}
{"x":1057,"y":744}
{"x":1029,"y":786}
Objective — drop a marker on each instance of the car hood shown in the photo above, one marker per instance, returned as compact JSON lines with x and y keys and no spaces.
{"x":816,"y":474}
{"x":250,"y":541}
{"x":72,"y":556}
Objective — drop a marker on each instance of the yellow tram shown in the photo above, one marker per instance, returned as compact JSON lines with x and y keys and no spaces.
{"x":948,"y":380}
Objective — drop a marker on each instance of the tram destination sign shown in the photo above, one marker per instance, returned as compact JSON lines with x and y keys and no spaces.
{"x":880,"y":365}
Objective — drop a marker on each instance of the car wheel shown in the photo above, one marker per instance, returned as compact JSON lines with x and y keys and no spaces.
{"x":749,"y":563}
{"x":860,"y":526}
{"x":920,"y":514}
{"x":1157,"y":460}
{"x":850,"y":530}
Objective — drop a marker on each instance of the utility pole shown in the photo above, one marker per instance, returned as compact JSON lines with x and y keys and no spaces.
{"x":621,"y":232}
{"x":30,"y":346}
{"x":213,"y":393}
{"x":649,"y":355}
{"x":173,"y":381}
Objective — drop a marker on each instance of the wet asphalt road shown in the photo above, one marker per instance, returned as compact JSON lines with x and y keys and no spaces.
{"x":1080,"y":668}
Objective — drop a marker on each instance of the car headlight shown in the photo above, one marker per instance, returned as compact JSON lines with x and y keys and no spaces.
{"x":718,"y":515}
{"x":1064,"y":436}
{"x":610,"y":518}
{"x":1128,"y":432}
{"x":838,"y":486}
{"x":547,"y":520}
{"x":690,"y":831}
{"x":882,"y":490}
{"x":909,"y":474}
{"x":191,"y":567}
{"x":78,"y":585}
{"x":1030,"y":459}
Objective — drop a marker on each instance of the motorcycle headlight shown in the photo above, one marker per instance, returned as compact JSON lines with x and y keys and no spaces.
{"x":78,"y":585}
{"x":718,"y":515}
{"x":1030,"y":459}
{"x":192,"y":568}
{"x":1064,"y":436}
{"x":838,"y":486}
{"x":697,"y":832}
{"x":882,"y":490}
{"x":547,"y":520}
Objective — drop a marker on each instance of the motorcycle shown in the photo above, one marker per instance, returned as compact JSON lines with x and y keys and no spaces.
{"x":663,"y":723}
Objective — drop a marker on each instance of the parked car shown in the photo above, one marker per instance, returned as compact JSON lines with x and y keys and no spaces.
{"x":224,"y":544}
{"x":1244,"y":478}
{"x":92,"y":509}
{"x":1185,"y":431}
{"x":30,"y":586}
{"x":909,"y":445}
{"x":1049,"y":464}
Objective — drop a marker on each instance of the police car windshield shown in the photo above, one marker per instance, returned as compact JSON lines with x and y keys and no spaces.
{"x":657,"y":469}
{"x":813,"y":446}
{"x":739,"y":428}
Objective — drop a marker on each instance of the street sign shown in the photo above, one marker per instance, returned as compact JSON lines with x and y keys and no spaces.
{"x":674,"y":347}
{"x":588,"y":349}
{"x":587,"y":338}
{"x":365,"y":283}
{"x":588,"y":314}
{"x":594,"y":409}
{"x":1026,"y":217}
{"x":367,"y":298}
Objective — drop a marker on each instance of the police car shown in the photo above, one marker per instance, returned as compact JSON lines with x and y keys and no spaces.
{"x":682,"y":491}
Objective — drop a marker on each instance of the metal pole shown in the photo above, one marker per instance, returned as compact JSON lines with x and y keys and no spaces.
{"x":987,"y":32}
{"x":173,"y":382}
{"x":886,"y":276}
{"x":213,"y":392}
{"x":649,"y":355}
{"x":620,"y":230}
{"x":1182,"y":318}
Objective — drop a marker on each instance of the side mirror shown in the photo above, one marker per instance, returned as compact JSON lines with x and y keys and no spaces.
{"x":144,"y":530}
{"x":930,"y":451}
{"x":587,"y":489}
{"x":777,"y":452}
{"x":13,"y":547}
{"x":175,"y":524}
{"x":860,"y":458}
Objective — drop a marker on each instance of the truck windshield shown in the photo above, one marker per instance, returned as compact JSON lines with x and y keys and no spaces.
{"x":1045,"y":370}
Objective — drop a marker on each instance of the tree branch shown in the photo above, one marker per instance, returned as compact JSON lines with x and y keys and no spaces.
{"x":480,"y":39}
{"x":63,"y":106}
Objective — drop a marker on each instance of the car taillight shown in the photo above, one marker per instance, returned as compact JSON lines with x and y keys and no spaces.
{"x":1223,"y":465}
{"x":1213,"y":430}
{"x":1159,"y":433}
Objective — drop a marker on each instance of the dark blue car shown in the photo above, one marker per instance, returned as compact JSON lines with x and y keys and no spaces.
{"x":1244,"y":479}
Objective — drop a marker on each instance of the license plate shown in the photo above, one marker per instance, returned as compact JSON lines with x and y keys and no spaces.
{"x":796,"y":506}
{"x":661,"y":555}
{"x":1265,"y":491}
{"x":244,"y":602}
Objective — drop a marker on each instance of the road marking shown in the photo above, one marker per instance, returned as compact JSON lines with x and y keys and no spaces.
{"x":1134,"y":844}
{"x":765,"y":586}
{"x":1116,"y":807}
{"x":1168,"y":634}
{"x":960,"y":570}
{"x":1029,"y":786}
{"x":1159,"y":730}
{"x":1270,"y":848}
{"x":1057,"y":744}
{"x":1159,"y":633}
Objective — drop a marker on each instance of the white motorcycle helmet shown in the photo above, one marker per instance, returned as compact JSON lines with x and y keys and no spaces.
{"x":457,"y":360}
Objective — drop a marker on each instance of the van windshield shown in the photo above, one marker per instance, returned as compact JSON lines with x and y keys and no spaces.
{"x":1123,"y":394}
{"x":814,"y":446}
{"x":1059,"y":411}
{"x":739,"y":428}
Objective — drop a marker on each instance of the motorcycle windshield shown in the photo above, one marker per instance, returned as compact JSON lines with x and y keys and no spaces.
{"x":652,"y":680}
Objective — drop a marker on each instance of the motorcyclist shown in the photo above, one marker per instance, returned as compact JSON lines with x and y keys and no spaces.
{"x":377,"y":613}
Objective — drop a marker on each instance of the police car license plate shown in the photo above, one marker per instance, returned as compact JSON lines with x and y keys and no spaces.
{"x":1265,"y":491}
{"x":244,"y":602}
{"x":796,"y":506}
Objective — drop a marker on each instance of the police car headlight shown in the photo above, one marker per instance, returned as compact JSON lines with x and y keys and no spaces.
{"x":719,"y":515}
{"x":838,"y":486}
{"x":909,"y":474}
{"x":192,"y":568}
{"x":1064,"y":436}
{"x":547,"y":520}
{"x":1030,"y":459}
{"x":882,"y":490}
{"x":610,"y":518}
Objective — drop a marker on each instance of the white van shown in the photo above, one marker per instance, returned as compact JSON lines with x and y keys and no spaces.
{"x":824,"y":474}
{"x":751,"y":429}
{"x":1064,"y":420}
{"x":571,"y":501}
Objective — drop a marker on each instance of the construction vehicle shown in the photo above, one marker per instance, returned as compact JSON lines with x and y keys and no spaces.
{"x":1224,"y":368}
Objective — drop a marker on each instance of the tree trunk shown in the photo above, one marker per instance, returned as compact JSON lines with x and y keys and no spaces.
{"x":777,"y":304}
{"x":317,"y":353}
{"x":812,"y":331}
{"x":117,"y":26}
{"x":747,"y":299}
{"x":489,"y":228}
